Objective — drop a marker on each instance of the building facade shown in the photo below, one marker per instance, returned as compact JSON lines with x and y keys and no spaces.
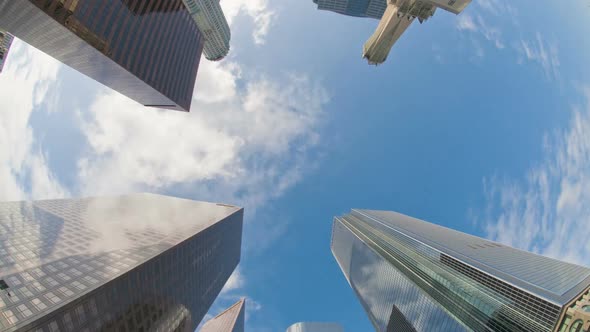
{"x":209,"y":17}
{"x":148,"y":50}
{"x":357,"y":8}
{"x":230,"y":320}
{"x":5,"y":43}
{"x":410,"y":275}
{"x":315,"y":327}
{"x":139,"y":262}
{"x":398,"y":16}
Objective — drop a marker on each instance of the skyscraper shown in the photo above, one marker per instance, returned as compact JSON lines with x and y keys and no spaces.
{"x":212,"y":23}
{"x":5,"y":43}
{"x":358,"y":8}
{"x":230,"y":320}
{"x":410,"y":275}
{"x":397,"y":18}
{"x":139,"y":262}
{"x":148,"y":50}
{"x":315,"y":327}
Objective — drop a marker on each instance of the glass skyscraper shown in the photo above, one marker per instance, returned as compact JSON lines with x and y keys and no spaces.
{"x":148,"y":50}
{"x":411,"y":275}
{"x":357,"y":8}
{"x":139,"y":262}
{"x":315,"y":327}
{"x":230,"y":320}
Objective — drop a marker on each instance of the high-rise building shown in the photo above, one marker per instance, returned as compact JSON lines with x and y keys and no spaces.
{"x":139,"y":262}
{"x":230,"y":320}
{"x":5,"y":43}
{"x":148,"y":50}
{"x":357,"y":8}
{"x":397,"y":18}
{"x":315,"y":327}
{"x":209,"y":17}
{"x":411,"y":275}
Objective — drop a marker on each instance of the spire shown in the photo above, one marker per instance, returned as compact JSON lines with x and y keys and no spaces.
{"x":230,"y":320}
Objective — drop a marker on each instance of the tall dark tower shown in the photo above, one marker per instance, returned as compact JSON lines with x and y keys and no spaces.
{"x":148,"y":50}
{"x":139,"y":262}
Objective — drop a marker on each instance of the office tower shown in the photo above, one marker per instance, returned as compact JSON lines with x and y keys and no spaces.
{"x":397,"y":18}
{"x":148,"y":50}
{"x":357,"y":8}
{"x":212,"y":23}
{"x":138,"y":262}
{"x":315,"y":327}
{"x":5,"y":42}
{"x":411,"y":275}
{"x":230,"y":320}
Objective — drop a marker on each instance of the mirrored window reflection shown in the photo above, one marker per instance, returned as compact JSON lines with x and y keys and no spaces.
{"x":161,"y":279}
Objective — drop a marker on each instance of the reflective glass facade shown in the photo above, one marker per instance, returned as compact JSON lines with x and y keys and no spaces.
{"x":357,"y":8}
{"x":315,"y":327}
{"x":148,"y":50}
{"x":5,"y":43}
{"x":411,"y":275}
{"x":230,"y":320}
{"x":131,"y":263}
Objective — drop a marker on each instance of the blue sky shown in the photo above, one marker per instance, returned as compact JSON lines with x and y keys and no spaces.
{"x":479,"y":122}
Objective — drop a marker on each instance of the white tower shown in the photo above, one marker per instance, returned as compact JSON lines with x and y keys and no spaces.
{"x":212,"y":23}
{"x":397,"y":18}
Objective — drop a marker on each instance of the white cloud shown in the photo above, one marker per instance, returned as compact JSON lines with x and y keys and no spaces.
{"x":479,"y":26}
{"x":217,"y":81}
{"x":132,"y":147}
{"x":541,"y":52}
{"x":243,"y":146}
{"x":499,"y":8}
{"x":258,"y":10}
{"x":533,"y":49}
{"x":549,"y":212}
{"x":465,"y":22}
{"x":25,"y":85}
{"x":235,"y":281}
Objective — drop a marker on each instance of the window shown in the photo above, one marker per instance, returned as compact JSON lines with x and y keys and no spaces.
{"x":577,"y":326}
{"x":3,"y":285}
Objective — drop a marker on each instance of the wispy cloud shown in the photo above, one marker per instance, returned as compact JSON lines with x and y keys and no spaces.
{"x":478,"y":26}
{"x":482,"y":25}
{"x":235,"y":281}
{"x":27,"y":82}
{"x":499,"y":8}
{"x":549,"y":211}
{"x":541,"y":52}
{"x":465,"y":23}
